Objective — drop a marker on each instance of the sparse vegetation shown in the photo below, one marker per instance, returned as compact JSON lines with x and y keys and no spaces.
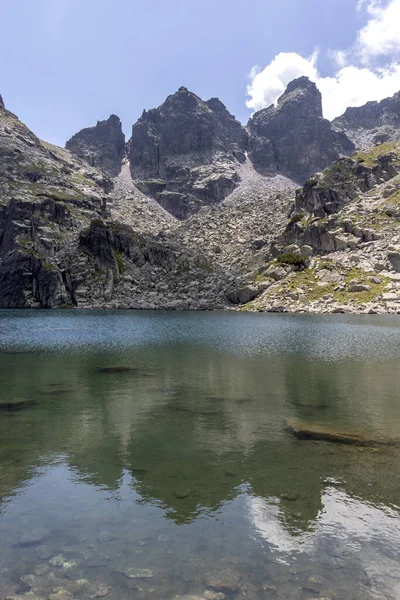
{"x":296,"y":218}
{"x":119,"y":260}
{"x":290,"y":258}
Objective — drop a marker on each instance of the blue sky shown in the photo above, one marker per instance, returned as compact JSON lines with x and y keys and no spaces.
{"x":67,"y":63}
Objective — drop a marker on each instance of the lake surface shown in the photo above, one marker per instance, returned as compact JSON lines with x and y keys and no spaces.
{"x":144,"y":455}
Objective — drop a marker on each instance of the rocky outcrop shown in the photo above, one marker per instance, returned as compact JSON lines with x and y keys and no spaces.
{"x":101,"y":146}
{"x":328,"y":192}
{"x":371,"y":124}
{"x":292,"y":138}
{"x":185,"y":152}
{"x":1,"y":102}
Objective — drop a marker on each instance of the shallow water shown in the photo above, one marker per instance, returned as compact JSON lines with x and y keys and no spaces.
{"x":178,"y":463}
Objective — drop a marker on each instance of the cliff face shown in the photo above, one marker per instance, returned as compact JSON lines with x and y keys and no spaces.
{"x":292,"y":138}
{"x":185,"y":152}
{"x":101,"y":146}
{"x":373,"y":123}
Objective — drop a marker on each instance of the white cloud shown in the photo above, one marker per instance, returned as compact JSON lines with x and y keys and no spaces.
{"x":355,"y":81}
{"x":381,"y":35}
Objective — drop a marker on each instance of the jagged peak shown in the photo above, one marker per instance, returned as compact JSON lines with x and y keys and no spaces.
{"x":303,"y":83}
{"x":304,"y":93}
{"x":1,"y":102}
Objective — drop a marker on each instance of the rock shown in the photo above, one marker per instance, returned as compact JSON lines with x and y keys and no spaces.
{"x":226,"y":581}
{"x":101,"y":146}
{"x":34,"y":537}
{"x":134,"y":573}
{"x":182,"y":494}
{"x":276,"y":272}
{"x":328,"y":276}
{"x":372,"y":123}
{"x":355,"y":286}
{"x":394,"y":259}
{"x":57,"y":561}
{"x":269,"y":588}
{"x":306,"y":251}
{"x":258,"y":243}
{"x":2,"y":106}
{"x":211,"y":595}
{"x":279,"y":134}
{"x":60,"y":594}
{"x":305,"y":431}
{"x":313,"y":585}
{"x":100,"y":591}
{"x":245,"y":294}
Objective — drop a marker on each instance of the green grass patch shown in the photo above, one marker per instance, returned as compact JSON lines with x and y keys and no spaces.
{"x":370,"y":157}
{"x":290,"y":258}
{"x":119,"y":260}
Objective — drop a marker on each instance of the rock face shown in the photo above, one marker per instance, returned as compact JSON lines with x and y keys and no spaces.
{"x":292,"y":138}
{"x":1,"y":102}
{"x":184,"y":153}
{"x":101,"y":146}
{"x":371,"y":124}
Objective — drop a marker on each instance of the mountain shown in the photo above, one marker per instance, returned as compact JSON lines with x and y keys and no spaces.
{"x":196,"y":211}
{"x":373,"y":123}
{"x":293,"y":138}
{"x":102,"y":146}
{"x":185,"y":153}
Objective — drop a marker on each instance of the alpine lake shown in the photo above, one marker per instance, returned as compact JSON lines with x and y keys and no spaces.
{"x":163,"y":455}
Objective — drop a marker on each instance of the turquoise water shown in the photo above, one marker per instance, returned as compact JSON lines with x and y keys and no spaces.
{"x":144,"y":455}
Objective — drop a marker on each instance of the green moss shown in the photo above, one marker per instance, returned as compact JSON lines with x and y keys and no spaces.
{"x":119,"y":260}
{"x":296,"y":218}
{"x":370,"y":157}
{"x":290,"y":258}
{"x":97,"y":223}
{"x":81,"y":179}
{"x":49,"y":267}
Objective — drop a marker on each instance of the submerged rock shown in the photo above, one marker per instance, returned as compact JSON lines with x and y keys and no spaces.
{"x":36,"y":536}
{"x":11,"y":406}
{"x":305,"y":431}
{"x":133,"y":573}
{"x":226,"y":581}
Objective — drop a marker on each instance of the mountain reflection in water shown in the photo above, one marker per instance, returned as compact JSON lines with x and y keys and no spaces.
{"x":167,"y":453}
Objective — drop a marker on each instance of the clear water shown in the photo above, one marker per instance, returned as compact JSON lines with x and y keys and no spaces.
{"x":182,"y":467}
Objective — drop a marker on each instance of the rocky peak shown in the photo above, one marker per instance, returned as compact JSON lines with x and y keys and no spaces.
{"x":372,"y":123}
{"x":101,"y":146}
{"x":302,"y":98}
{"x":1,"y":102}
{"x":175,"y":148}
{"x":293,"y":138}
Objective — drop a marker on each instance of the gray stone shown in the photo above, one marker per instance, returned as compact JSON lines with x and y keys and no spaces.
{"x":101,"y":146}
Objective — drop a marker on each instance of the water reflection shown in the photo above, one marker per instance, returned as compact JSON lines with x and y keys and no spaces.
{"x":177,"y":461}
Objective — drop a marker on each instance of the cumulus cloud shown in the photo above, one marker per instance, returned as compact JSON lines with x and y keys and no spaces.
{"x":381,"y":35}
{"x":355,"y":81}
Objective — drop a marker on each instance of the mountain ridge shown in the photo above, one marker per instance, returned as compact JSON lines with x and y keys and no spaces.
{"x":196,"y":211}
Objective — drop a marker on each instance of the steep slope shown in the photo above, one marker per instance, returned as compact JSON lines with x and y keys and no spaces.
{"x":237,"y":232}
{"x":59,"y":245}
{"x":373,"y":123}
{"x":292,"y":138}
{"x":185,"y":153}
{"x":340,"y":251}
{"x":101,"y":146}
{"x":46,"y":197}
